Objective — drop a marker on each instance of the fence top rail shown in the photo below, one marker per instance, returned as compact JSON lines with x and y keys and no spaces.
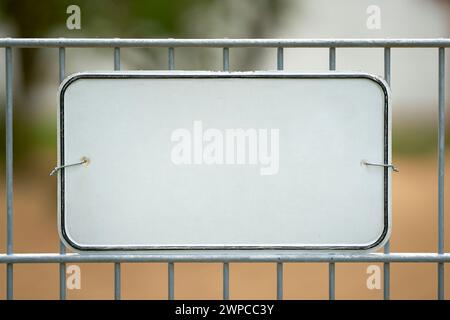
{"x":223,"y":257}
{"x":218,"y":43}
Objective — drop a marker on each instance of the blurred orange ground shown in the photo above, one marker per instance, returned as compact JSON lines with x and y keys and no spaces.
{"x":414,"y":230}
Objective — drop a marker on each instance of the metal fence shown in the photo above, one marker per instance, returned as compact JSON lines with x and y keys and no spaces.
{"x":61,"y":258}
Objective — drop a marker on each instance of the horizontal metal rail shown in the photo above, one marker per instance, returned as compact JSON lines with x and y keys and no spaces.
{"x":225,"y":257}
{"x":221,"y":43}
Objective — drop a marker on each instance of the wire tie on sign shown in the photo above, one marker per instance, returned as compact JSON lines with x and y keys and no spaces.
{"x":84,"y":160}
{"x":391,"y":166}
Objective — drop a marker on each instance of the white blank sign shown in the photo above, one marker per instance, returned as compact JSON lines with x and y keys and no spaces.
{"x":214,"y":160}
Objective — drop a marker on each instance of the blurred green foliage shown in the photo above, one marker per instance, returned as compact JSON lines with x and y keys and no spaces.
{"x":415,"y":140}
{"x":106,"y":18}
{"x":119,"y":18}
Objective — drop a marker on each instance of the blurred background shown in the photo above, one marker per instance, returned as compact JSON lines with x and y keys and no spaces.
{"x":415,"y":103}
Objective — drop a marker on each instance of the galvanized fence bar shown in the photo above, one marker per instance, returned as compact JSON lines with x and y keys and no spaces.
{"x":387,"y":247}
{"x":279,"y":281}
{"x":331,"y":266}
{"x":441,"y":168}
{"x":280,"y":58}
{"x":332,"y":58}
{"x":221,"y":257}
{"x":226,"y":265}
{"x":280,"y":66}
{"x":226,"y":281}
{"x":117,"y":281}
{"x":62,"y":247}
{"x":226,"y":59}
{"x":171,"y":278}
{"x":9,"y":170}
{"x":116,"y":58}
{"x":117,"y":266}
{"x":170,"y":266}
{"x":222,"y":43}
{"x":171,"y":58}
{"x":331,"y":281}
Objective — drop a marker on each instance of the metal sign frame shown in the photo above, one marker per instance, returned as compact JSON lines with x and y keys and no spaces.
{"x":384,"y":237}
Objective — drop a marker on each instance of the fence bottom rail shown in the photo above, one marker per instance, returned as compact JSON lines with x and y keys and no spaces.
{"x":223,"y":257}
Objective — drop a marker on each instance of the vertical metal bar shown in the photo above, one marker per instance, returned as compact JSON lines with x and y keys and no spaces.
{"x":280,"y":66}
{"x":280,"y":58}
{"x":226,"y":281}
{"x":331,"y":280}
{"x":117,"y":266}
{"x":226,"y":265}
{"x":332,"y":58}
{"x":441,"y":169}
{"x":171,"y":280}
{"x":387,"y":247}
{"x":62,"y":64}
{"x":62,"y":248}
{"x":9,"y":170}
{"x":331,"y":265}
{"x":117,"y":281}
{"x":116,"y":58}
{"x":171,"y":58}
{"x":280,"y":281}
{"x":171,"y":267}
{"x":226,"y":59}
{"x":387,"y":65}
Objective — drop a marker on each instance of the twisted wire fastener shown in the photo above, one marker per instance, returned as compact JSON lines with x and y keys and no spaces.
{"x":365,"y":162}
{"x":83,"y":160}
